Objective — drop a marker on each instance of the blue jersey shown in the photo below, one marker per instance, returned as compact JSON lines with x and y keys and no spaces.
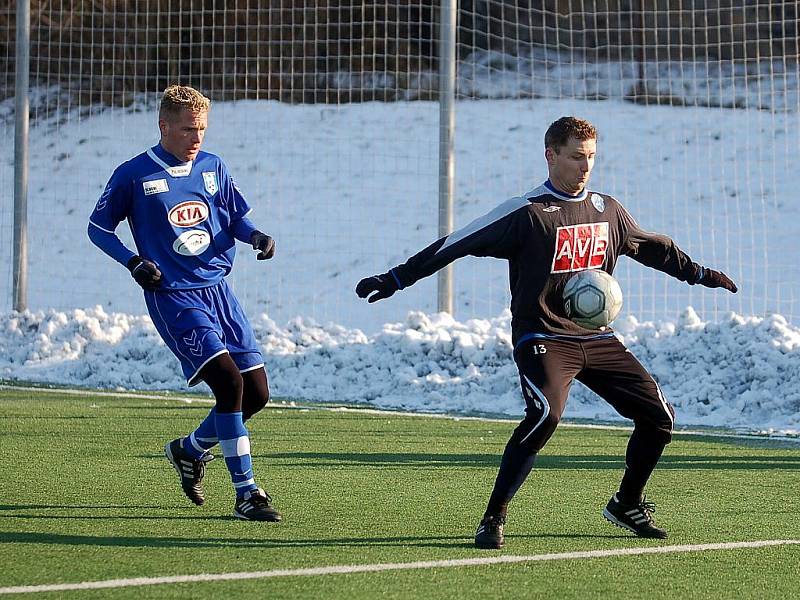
{"x":182,"y":215}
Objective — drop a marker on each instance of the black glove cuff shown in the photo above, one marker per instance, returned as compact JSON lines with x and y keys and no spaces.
{"x":254,"y":235}
{"x":134,"y":262}
{"x":394,"y":279}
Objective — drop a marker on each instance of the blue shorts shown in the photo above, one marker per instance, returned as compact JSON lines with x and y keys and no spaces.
{"x":198,"y":325}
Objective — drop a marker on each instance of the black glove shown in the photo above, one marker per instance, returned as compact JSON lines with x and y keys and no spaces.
{"x":145,"y":273}
{"x":385,"y":285}
{"x":715,"y":279}
{"x":263,"y":242}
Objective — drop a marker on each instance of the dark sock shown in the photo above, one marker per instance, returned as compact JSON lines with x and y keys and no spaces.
{"x":644,"y":450}
{"x":515,"y":466}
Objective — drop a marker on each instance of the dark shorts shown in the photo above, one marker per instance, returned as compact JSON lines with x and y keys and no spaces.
{"x":199,"y":325}
{"x":548,"y":365}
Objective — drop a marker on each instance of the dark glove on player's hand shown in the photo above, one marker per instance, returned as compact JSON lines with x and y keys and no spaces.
{"x":263,"y":242}
{"x":385,"y":285}
{"x":715,"y":279}
{"x":145,"y":273}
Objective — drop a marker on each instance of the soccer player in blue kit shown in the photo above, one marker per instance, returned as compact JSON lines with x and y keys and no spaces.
{"x":185,"y":213}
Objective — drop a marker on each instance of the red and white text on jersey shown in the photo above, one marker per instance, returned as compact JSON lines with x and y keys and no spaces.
{"x":580,"y":247}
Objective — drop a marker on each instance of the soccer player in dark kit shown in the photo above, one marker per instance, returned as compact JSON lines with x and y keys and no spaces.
{"x":185,"y":213}
{"x":546,"y":235}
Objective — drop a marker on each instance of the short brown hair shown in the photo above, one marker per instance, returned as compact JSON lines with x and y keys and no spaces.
{"x":182,"y":97}
{"x":560,"y":131}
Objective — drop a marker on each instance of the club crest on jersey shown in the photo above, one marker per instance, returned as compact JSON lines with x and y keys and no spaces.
{"x":156,"y":186}
{"x":598,"y":202}
{"x":192,"y":242}
{"x":210,"y":182}
{"x":580,"y":247}
{"x":189,"y":213}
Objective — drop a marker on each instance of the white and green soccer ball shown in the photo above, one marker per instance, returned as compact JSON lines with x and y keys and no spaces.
{"x":592,"y":299}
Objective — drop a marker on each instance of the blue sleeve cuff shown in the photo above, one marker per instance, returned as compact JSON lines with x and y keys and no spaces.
{"x":397,"y":279}
{"x":700,"y":274}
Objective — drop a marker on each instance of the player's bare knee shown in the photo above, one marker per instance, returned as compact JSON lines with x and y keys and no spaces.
{"x":226,"y":383}
{"x":254,"y":403}
{"x":228,"y":393}
{"x":256,"y":392}
{"x":260,"y":400}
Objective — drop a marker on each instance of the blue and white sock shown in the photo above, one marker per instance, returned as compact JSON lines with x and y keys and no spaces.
{"x":202,"y":439}
{"x":236,"y":449}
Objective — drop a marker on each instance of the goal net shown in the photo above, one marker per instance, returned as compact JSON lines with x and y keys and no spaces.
{"x":696,"y":106}
{"x":326,"y":114}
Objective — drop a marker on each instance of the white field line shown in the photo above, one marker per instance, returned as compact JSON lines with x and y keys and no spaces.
{"x":378,"y":567}
{"x":77,"y":392}
{"x":388,"y":413}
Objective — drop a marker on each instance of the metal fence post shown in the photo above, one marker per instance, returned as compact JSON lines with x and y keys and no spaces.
{"x":21,"y":116}
{"x":447,"y":124}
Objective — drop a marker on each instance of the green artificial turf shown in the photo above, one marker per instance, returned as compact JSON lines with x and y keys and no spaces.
{"x":87,"y":495}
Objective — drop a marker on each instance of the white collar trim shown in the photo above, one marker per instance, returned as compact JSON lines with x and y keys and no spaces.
{"x":177,"y":171}
{"x":543,"y":190}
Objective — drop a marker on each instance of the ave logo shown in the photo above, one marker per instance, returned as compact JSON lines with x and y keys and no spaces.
{"x":580,"y":247}
{"x":187,"y":214}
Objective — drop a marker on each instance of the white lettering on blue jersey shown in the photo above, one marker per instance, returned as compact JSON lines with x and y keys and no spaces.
{"x":156,"y":186}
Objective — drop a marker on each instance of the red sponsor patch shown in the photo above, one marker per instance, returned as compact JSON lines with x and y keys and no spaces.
{"x":188,"y":213}
{"x":580,"y":247}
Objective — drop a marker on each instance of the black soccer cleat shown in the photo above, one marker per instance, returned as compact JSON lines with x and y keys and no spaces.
{"x":190,"y":470}
{"x":256,"y":505}
{"x":490,"y":532}
{"x":637,"y":518}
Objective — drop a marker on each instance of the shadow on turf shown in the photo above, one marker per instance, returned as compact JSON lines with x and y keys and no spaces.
{"x":73,"y":506}
{"x":544,"y":461}
{"x":17,"y":537}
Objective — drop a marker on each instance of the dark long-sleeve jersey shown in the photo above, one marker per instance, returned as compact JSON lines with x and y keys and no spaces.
{"x":547,"y":237}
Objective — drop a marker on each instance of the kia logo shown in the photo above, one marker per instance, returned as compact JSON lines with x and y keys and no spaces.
{"x":187,"y":214}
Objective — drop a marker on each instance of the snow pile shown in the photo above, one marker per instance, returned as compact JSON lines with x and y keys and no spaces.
{"x":742,"y":372}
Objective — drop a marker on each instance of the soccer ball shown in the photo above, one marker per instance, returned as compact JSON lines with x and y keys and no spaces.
{"x":592,"y":299}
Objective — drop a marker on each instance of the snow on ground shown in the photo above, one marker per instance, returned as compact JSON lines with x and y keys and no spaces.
{"x":349,"y":191}
{"x":352,"y":190}
{"x":742,"y":372}
{"x":547,"y":73}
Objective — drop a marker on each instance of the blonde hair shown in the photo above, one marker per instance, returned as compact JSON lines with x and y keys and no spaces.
{"x":182,"y":97}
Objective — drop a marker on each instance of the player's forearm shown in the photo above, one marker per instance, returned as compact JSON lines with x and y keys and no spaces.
{"x":109,"y":243}
{"x":385,"y":285}
{"x":482,"y":237}
{"x":661,"y":253}
{"x":242,"y":229}
{"x":423,"y":264}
